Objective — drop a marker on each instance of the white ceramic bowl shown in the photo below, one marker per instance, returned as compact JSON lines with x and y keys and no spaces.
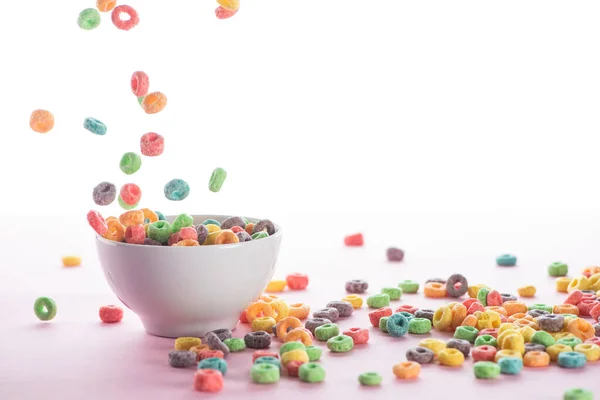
{"x":188,"y":291}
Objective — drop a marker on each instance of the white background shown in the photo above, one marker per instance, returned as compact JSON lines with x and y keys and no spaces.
{"x":309,"y":105}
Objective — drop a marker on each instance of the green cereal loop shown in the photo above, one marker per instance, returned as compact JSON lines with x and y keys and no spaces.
{"x":468,"y":333}
{"x":44,"y":308}
{"x":140,"y":100}
{"x":543,"y":337}
{"x":570,"y":316}
{"x":235,"y":344}
{"x":394,"y":293}
{"x":370,"y":379}
{"x":578,"y":394}
{"x":486,"y":340}
{"x":260,"y":235}
{"x":311,"y":372}
{"x":409,"y":286}
{"x":246,"y":220}
{"x":378,"y":300}
{"x":383,"y":324}
{"x":570,"y":341}
{"x":314,"y":353}
{"x":486,"y":370}
{"x":419,"y":326}
{"x":89,"y":19}
{"x":482,"y":296}
{"x":340,"y":344}
{"x":159,"y":231}
{"x":130,"y":163}
{"x":181,"y":221}
{"x":326,"y":332}
{"x":289,"y":346}
{"x":265,"y":373}
{"x":558,"y":269}
{"x":216,"y":179}
{"x":126,"y":206}
{"x":538,"y":306}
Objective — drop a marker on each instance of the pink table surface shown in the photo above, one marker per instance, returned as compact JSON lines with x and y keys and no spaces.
{"x":77,"y":357}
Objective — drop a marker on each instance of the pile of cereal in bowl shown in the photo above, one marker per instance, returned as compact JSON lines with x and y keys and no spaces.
{"x":147,"y":227}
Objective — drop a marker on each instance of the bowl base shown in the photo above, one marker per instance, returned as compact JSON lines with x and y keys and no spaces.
{"x":173,"y":329}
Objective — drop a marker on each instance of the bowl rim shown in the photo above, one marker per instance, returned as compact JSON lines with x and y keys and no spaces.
{"x":212,"y":216}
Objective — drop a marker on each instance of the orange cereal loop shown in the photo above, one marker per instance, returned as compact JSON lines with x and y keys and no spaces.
{"x":41,"y":121}
{"x":525,"y":322}
{"x":299,"y":310}
{"x":187,"y":243}
{"x":589,"y":271}
{"x":581,"y":328}
{"x":407,"y":370}
{"x":115,"y":231}
{"x":470,"y":320}
{"x":249,"y":228}
{"x":498,"y":309}
{"x":514,"y":307}
{"x":565,"y":309}
{"x":435,"y":290}
{"x":133,"y":217}
{"x":227,"y":237}
{"x":280,"y":309}
{"x":149,"y":216}
{"x":199,"y":349}
{"x":71,"y":261}
{"x":276,"y":286}
{"x":287,"y":323}
{"x":298,"y":335}
{"x":105,"y":5}
{"x":517,"y":316}
{"x":459,"y":313}
{"x":536,"y":359}
{"x":154,"y":102}
{"x":267,"y":298}
{"x":258,"y":309}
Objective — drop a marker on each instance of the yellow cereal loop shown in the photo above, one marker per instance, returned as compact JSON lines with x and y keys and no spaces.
{"x":514,"y":342}
{"x":263,"y":324}
{"x":590,"y":350}
{"x":526,"y":291}
{"x":294,"y":355}
{"x":504,"y":334}
{"x":473,"y":290}
{"x":211,"y":238}
{"x":276,"y":286}
{"x":581,"y":283}
{"x":186,"y":343}
{"x":231,"y":5}
{"x":451,"y":357}
{"x":71,"y":261}
{"x":557,"y":348}
{"x":562,"y":284}
{"x":442,"y":319}
{"x":149,"y":215}
{"x":213,"y":228}
{"x":280,"y":309}
{"x":507,"y":353}
{"x":527,"y":332}
{"x":594,"y":282}
{"x":354,"y":299}
{"x":434,"y":345}
{"x":258,"y":309}
{"x":489,"y":320}
{"x":506,"y":325}
{"x":561,"y":335}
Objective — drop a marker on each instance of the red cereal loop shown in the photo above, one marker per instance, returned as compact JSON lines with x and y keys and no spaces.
{"x":152,"y":144}
{"x":595,"y":312}
{"x":111,"y":314}
{"x":189,"y":232}
{"x":358,"y":335}
{"x":174,"y":239}
{"x":483,"y":353}
{"x":475,"y":307}
{"x":297,"y":281}
{"x":593,"y":340}
{"x":469,"y":302}
{"x":585,"y":306}
{"x":208,"y":380}
{"x":236,"y":229}
{"x":244,"y":318}
{"x":574,"y":297}
{"x":588,"y":296}
{"x":494,"y":298}
{"x":125,"y":25}
{"x":489,"y":331}
{"x":135,"y":234}
{"x":223,"y":13}
{"x":97,"y":222}
{"x":293,"y":367}
{"x":211,"y":354}
{"x":264,"y":353}
{"x":130,"y":194}
{"x":407,"y":308}
{"x":140,"y":83}
{"x":354,"y":240}
{"x":375,"y":316}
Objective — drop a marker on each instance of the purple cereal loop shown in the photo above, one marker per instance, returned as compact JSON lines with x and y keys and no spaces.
{"x":264,"y":225}
{"x":104,"y":193}
{"x":257,"y":340}
{"x":461,"y":345}
{"x":222,"y":334}
{"x":182,"y":358}
{"x":357,"y":286}
{"x":152,"y":242}
{"x":243,"y":236}
{"x":345,"y":309}
{"x":329,"y":313}
{"x":202,"y":233}
{"x":395,"y":254}
{"x":451,"y":285}
{"x":233,"y":221}
{"x":215,"y":343}
{"x":313,"y":323}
